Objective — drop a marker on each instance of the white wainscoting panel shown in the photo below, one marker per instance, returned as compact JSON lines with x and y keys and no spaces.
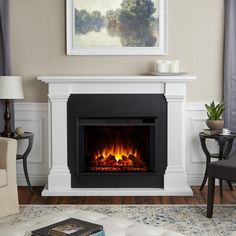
{"x":195,"y":159}
{"x":33,"y":117}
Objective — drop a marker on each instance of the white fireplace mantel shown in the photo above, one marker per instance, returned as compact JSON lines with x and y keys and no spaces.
{"x":60,"y":88}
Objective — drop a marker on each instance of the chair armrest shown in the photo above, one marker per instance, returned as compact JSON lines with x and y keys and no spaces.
{"x":8,"y":149}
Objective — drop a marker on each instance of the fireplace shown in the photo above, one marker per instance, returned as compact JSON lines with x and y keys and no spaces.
{"x":154,"y":99}
{"x":117,"y":140}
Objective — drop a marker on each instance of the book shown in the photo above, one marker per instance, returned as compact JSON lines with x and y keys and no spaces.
{"x":100,"y":233}
{"x":211,"y":132}
{"x":70,"y":227}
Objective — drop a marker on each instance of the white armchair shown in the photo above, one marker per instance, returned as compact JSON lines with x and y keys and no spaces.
{"x":8,"y":189}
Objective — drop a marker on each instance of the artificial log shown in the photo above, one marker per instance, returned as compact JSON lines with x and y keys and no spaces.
{"x":136,"y":161}
{"x":100,"y":158}
{"x":111,"y":158}
{"x":121,"y":163}
{"x":109,"y":163}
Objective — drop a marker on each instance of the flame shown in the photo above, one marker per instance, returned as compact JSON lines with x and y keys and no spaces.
{"x":118,"y":151}
{"x":118,"y":157}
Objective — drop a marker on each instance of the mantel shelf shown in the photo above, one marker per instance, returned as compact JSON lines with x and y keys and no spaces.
{"x":115,"y":79}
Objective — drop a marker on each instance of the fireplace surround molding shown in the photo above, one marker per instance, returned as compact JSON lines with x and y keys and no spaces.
{"x":174,"y":90}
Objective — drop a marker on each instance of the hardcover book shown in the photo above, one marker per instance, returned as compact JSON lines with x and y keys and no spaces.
{"x":211,"y":132}
{"x":70,"y":227}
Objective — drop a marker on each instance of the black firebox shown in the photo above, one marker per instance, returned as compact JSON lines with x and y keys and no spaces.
{"x":117,"y":141}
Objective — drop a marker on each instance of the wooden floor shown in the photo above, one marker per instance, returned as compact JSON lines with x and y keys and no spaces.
{"x":25,"y":197}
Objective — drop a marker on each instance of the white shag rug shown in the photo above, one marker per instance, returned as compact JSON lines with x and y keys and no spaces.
{"x":186,"y":219}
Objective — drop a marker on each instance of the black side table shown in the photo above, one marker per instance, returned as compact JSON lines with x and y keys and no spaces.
{"x":225,"y":143}
{"x":30,"y":137}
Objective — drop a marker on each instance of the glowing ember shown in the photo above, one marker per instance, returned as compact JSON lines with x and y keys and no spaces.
{"x":118,"y":157}
{"x":118,"y":151}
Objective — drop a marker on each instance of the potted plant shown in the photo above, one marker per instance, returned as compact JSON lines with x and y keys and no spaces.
{"x":214,"y":113}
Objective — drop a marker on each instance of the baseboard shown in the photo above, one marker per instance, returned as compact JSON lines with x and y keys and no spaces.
{"x":195,"y":180}
{"x":34,"y":180}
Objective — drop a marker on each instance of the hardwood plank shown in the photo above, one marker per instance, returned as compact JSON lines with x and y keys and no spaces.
{"x":200,"y":197}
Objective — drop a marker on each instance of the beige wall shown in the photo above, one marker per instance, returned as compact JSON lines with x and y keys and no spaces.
{"x":195,"y":37}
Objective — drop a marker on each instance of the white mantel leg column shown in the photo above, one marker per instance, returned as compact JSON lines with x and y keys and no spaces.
{"x":175,"y":179}
{"x":59,"y":177}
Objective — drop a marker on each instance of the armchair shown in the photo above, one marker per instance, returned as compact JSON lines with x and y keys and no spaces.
{"x":8,"y":188}
{"x":223,"y":170}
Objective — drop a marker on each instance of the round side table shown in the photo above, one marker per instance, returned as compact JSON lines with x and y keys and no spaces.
{"x":30,"y":137}
{"x":225,"y":143}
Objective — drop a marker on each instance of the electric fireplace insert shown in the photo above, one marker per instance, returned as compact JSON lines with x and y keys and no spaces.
{"x":117,"y":140}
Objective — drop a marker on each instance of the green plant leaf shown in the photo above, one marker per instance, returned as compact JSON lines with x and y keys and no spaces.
{"x":214,"y":112}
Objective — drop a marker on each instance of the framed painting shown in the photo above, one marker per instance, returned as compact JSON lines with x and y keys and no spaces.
{"x":116,"y":27}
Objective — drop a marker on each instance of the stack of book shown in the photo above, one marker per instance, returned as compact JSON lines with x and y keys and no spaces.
{"x":71,"y":227}
{"x":211,"y":132}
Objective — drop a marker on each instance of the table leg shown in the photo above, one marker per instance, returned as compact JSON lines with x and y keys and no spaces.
{"x":27,"y":175}
{"x":24,"y":157}
{"x":228,"y":148}
{"x":226,"y":156}
{"x":221,"y":156}
{"x":221,"y":188}
{"x":208,"y":160}
{"x":205,"y":178}
{"x":230,"y":185}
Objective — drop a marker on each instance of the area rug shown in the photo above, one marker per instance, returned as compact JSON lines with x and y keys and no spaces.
{"x":186,"y":219}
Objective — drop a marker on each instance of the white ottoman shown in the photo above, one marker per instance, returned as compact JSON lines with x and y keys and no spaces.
{"x":113,"y":226}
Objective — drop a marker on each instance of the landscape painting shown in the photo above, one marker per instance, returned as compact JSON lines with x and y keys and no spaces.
{"x":115,"y":26}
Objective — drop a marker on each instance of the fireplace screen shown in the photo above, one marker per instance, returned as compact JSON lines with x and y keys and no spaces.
{"x":116,"y":145}
{"x":117,"y":148}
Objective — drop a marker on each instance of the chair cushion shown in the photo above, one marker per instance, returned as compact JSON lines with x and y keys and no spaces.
{"x":3,"y":177}
{"x":224,"y":169}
